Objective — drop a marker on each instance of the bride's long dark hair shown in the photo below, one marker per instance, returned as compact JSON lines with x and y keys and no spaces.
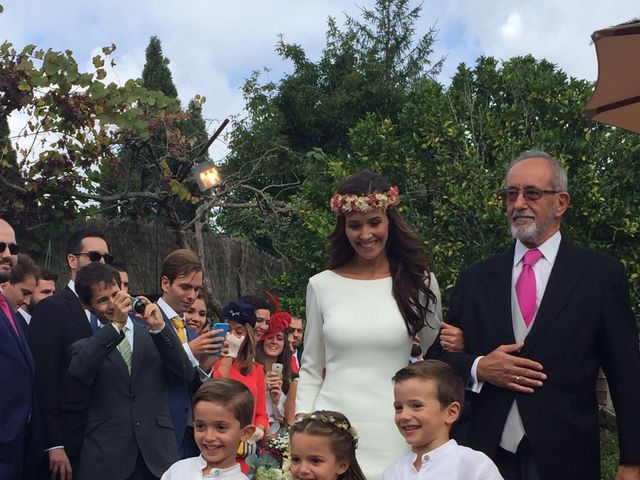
{"x":407,"y":259}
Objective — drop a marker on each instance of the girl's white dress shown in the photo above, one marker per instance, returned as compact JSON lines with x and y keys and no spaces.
{"x":356,"y":339}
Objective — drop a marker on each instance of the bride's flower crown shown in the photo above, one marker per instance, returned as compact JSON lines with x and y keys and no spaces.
{"x":365,"y":203}
{"x":331,"y":420}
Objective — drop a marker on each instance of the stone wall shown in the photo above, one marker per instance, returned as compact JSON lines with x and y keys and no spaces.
{"x":232,"y":266}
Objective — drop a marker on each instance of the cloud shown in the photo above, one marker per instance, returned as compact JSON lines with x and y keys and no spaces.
{"x":512,"y":28}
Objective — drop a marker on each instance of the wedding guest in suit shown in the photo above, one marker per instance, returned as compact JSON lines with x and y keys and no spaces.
{"x":128,"y":369}
{"x":539,"y":319}
{"x":45,"y":288}
{"x":295,"y":334}
{"x":181,"y":281}
{"x":21,"y":285}
{"x":58,"y":322}
{"x":124,"y":275}
{"x":16,"y":371}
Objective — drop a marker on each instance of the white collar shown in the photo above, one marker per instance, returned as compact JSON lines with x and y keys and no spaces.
{"x":72,"y":286}
{"x":549,"y":249}
{"x":232,"y":471}
{"x":436,"y":452}
{"x":166,"y":308}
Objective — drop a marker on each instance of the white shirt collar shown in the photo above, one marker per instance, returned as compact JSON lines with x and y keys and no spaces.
{"x":232,"y":471}
{"x":549,"y":249}
{"x":72,"y":286}
{"x":436,"y":452}
{"x":166,"y":308}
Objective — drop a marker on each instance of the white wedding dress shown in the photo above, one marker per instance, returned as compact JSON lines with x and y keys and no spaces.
{"x":357,"y":336}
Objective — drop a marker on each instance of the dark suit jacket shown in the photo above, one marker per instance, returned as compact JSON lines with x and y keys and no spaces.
{"x":180,"y":404}
{"x":128,"y":413}
{"x":57,"y":322}
{"x":16,"y":397}
{"x":584,"y":321}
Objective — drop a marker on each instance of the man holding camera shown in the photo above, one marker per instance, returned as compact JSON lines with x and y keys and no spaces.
{"x":128,"y":368}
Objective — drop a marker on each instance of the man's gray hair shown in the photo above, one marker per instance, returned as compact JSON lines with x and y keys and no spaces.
{"x":560,"y":181}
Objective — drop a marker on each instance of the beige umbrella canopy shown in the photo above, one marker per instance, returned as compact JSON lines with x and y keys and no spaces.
{"x":616,"y":99}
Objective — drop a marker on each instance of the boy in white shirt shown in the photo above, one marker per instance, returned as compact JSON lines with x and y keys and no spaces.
{"x":222,"y":415}
{"x":428,"y":397}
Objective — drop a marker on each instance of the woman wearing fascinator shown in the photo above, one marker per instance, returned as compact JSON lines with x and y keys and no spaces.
{"x":238,"y":364}
{"x":362,"y":316}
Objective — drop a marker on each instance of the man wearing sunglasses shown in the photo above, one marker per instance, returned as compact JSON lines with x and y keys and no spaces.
{"x":16,"y":370}
{"x":57,"y":322}
{"x":539,"y":320}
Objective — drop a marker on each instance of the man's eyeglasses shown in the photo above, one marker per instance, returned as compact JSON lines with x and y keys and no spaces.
{"x":14,"y":248}
{"x":532,"y":194}
{"x":96,"y":256}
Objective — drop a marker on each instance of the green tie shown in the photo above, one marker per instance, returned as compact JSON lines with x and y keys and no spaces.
{"x":124,"y":347}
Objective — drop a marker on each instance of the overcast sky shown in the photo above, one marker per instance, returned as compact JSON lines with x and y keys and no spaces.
{"x":213,"y":46}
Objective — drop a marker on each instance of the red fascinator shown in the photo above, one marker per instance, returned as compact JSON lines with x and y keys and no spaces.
{"x":278,"y":323}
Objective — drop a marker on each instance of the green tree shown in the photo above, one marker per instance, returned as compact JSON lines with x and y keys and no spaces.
{"x":152,"y":166}
{"x":156,"y":74}
{"x":367,"y":69}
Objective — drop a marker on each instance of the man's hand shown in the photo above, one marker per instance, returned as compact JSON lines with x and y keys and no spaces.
{"x":122,"y":304}
{"x":59,"y":464}
{"x":505,"y":370}
{"x":206,"y":345}
{"x":152,"y":315}
{"x":628,"y":472}
{"x":451,"y":338}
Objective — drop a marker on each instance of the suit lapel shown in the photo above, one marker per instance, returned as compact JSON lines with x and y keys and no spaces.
{"x":141,"y":340}
{"x":79,"y":315}
{"x":498,"y":294}
{"x":20,"y":339}
{"x":562,"y":281}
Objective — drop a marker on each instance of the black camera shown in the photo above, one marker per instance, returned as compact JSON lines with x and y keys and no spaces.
{"x":138,"y":305}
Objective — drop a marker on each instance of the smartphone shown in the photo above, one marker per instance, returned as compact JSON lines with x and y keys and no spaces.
{"x":220,"y":326}
{"x":277,"y":368}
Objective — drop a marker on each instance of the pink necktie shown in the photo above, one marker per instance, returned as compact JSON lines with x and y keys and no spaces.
{"x":4,"y":305}
{"x":526,"y":286}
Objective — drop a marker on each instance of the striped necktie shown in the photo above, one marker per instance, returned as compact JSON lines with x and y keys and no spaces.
{"x":178,"y":324}
{"x":124,"y":347}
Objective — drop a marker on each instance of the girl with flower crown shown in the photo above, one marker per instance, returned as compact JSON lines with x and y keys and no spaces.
{"x":363,"y":313}
{"x":323,"y":447}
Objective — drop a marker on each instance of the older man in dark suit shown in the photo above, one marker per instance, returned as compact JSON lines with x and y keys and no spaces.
{"x":57,"y":322}
{"x":16,"y":371}
{"x":539,"y":320}
{"x":128,"y":368}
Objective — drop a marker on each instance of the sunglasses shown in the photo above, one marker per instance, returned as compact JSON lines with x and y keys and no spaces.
{"x":532,"y":194}
{"x":96,"y":256}
{"x":14,"y":248}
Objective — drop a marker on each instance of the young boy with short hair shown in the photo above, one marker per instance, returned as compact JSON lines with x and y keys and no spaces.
{"x":428,"y":398}
{"x":222,"y":415}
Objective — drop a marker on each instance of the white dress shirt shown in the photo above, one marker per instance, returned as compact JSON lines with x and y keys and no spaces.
{"x":191,"y":469}
{"x":447,"y":462}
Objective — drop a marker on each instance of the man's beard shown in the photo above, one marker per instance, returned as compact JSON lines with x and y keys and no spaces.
{"x":533,"y":233}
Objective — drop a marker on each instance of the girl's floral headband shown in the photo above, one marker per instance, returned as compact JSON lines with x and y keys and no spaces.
{"x":331,"y":420}
{"x":365,"y":203}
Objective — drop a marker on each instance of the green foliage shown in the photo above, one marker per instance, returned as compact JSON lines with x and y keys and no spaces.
{"x":156,"y":74}
{"x":609,"y":455}
{"x":369,"y":102}
{"x":163,"y":163}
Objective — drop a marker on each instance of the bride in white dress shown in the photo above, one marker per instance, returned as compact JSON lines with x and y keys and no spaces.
{"x":362,"y":315}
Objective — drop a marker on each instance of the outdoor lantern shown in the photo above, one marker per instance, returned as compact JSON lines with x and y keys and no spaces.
{"x":206,"y":175}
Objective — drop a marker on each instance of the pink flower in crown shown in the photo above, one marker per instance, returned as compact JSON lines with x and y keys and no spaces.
{"x":394,"y":196}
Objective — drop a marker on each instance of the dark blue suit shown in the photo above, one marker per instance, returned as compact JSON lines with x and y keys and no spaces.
{"x":180,"y":398}
{"x":16,"y":397}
